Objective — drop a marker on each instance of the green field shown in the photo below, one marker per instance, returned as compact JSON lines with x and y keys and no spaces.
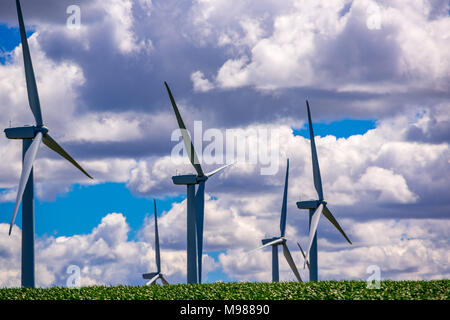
{"x":323,"y":290}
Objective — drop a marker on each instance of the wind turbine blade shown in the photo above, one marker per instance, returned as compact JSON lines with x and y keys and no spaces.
{"x":277,"y":241}
{"x":52,"y":144}
{"x":157,"y":253}
{"x":28,"y":161}
{"x":33,"y":97}
{"x":291,"y":262}
{"x":284,"y":205}
{"x":315,"y":160}
{"x":330,"y":217}
{"x":210,"y":174}
{"x":152,"y":280}
{"x":164,"y":281}
{"x":199,"y":216}
{"x":313,"y":228}
{"x":186,"y":138}
{"x":303,"y":254}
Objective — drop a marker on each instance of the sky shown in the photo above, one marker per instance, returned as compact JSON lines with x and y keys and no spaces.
{"x":375,"y":73}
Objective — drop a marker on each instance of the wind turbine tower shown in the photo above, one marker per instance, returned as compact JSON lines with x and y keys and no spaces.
{"x":316,"y":208}
{"x":32,"y":136}
{"x":195,"y":201}
{"x":281,"y":240}
{"x":152,"y":277}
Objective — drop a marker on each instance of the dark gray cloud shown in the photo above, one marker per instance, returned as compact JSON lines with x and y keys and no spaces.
{"x":360,"y":53}
{"x":118,"y":82}
{"x":52,"y":12}
{"x":434,"y":127}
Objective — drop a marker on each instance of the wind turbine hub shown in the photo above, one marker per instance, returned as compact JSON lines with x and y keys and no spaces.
{"x":42,"y":129}
{"x":202,"y":178}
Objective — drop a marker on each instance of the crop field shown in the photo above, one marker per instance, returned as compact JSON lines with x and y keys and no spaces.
{"x":323,"y":290}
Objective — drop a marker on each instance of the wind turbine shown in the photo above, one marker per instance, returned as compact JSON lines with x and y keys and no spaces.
{"x":316,"y":208}
{"x":32,"y":136}
{"x":195,"y":201}
{"x":152,"y":277}
{"x":281,"y":240}
{"x":303,"y":254}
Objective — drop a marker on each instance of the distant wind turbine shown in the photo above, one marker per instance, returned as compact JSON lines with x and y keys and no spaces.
{"x":316,"y":208}
{"x":195,"y":201}
{"x":32,"y":136}
{"x":281,"y":240}
{"x":152,"y":277}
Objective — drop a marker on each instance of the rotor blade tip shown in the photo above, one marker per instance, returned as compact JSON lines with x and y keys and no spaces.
{"x":88,"y":175}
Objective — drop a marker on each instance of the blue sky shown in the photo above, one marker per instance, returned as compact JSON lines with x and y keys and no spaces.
{"x":81,"y":209}
{"x":232,"y":65}
{"x":339,"y":129}
{"x":9,"y":40}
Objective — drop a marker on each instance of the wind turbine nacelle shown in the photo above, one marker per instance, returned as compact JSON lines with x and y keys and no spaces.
{"x":264,"y":241}
{"x":312,"y":204}
{"x":185,"y":179}
{"x":26,"y":132}
{"x":149,"y":276}
{"x":20,"y":133}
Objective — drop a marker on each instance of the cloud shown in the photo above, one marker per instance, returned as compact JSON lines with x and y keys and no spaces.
{"x":9,"y":256}
{"x":120,"y":13}
{"x":407,"y":249}
{"x":325,"y":46}
{"x":381,"y":167}
{"x":232,"y":73}
{"x":391,"y":187}
{"x":105,"y":256}
{"x":433,"y":125}
{"x":269,"y":54}
{"x":88,"y":134}
{"x":200,"y":83}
